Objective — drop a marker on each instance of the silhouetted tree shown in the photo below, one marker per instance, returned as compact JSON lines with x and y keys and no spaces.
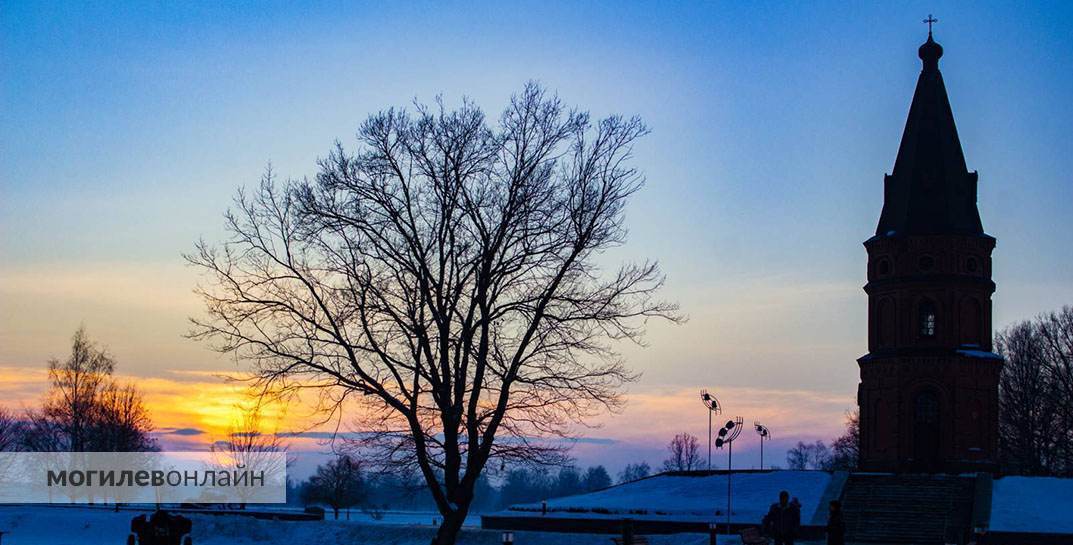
{"x":845,"y":451}
{"x":123,"y":423}
{"x":337,"y":484}
{"x":1036,"y":395}
{"x":524,"y":486}
{"x":448,"y":271}
{"x":76,"y":386}
{"x":809,"y":456}
{"x":249,"y":445}
{"x":634,"y":472}
{"x":568,"y":482}
{"x":596,"y":478}
{"x":85,"y":409}
{"x":485,"y":496}
{"x":11,"y":431}
{"x":684,"y":453}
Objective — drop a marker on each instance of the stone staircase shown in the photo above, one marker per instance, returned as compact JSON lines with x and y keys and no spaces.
{"x":918,"y":509}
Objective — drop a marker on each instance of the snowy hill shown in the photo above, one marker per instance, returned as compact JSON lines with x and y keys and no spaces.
{"x":692,"y":497}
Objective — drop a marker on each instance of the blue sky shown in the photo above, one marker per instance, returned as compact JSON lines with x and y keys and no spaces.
{"x":125,"y":129}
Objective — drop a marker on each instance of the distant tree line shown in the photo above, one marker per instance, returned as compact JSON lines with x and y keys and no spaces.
{"x":1036,"y":395}
{"x":344,"y":483}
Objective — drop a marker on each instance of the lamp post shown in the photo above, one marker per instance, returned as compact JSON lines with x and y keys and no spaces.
{"x":727,"y":434}
{"x":712,"y":404}
{"x":765,"y":435}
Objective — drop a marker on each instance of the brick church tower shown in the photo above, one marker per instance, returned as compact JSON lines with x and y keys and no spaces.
{"x":928,"y":394}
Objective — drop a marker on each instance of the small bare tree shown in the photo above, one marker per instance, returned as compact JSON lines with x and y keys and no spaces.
{"x":684,"y":453}
{"x":337,"y":484}
{"x":448,"y":273}
{"x":249,"y":445}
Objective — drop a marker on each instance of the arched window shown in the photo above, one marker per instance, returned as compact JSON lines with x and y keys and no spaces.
{"x":928,"y":319}
{"x":926,"y":411}
{"x":970,"y":321}
{"x":885,"y":326}
{"x":883,"y":267}
{"x":972,"y":265}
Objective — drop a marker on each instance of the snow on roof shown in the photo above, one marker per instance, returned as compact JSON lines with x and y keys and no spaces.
{"x":979,"y":354}
{"x":693,"y":497}
{"x":1032,"y":504}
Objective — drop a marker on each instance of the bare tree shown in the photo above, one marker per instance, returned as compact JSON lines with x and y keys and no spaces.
{"x":809,"y":456}
{"x":447,"y":272}
{"x":845,"y":450}
{"x":85,"y":409}
{"x":122,"y":423}
{"x":250,"y":446}
{"x":11,"y":431}
{"x":634,"y":472}
{"x":596,"y":478}
{"x":71,"y":404}
{"x":1036,"y":395}
{"x":684,"y":452}
{"x":337,"y":484}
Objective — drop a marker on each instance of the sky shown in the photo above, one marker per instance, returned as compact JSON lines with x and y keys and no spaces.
{"x":125,"y":129}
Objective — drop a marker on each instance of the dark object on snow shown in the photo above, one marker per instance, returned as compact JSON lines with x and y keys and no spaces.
{"x":836,"y":525}
{"x":635,"y":540}
{"x":783,"y":520}
{"x":628,"y":537}
{"x":753,"y":536}
{"x":160,"y":528}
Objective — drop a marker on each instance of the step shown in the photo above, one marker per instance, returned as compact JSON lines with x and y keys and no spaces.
{"x":917,"y":509}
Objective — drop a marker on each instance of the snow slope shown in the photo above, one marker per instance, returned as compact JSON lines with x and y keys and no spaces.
{"x":1032,"y":504}
{"x":691,"y":498}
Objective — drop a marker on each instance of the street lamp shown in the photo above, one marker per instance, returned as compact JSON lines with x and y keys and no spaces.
{"x":712,"y":404}
{"x":727,"y":434}
{"x":765,"y":435}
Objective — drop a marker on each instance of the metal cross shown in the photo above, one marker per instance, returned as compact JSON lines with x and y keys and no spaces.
{"x":930,"y":20}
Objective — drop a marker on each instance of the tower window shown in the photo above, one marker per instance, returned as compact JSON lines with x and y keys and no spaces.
{"x":883,"y":268}
{"x":927,"y":319}
{"x":971,"y":264}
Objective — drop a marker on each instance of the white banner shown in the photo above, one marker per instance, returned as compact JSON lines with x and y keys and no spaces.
{"x":143,"y":477}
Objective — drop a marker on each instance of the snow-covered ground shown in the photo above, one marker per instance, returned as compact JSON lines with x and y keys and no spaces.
{"x":692,"y":498}
{"x":1032,"y":504}
{"x":42,"y":525}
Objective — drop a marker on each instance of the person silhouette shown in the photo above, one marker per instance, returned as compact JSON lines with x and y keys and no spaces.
{"x":783,"y":520}
{"x":836,"y":525}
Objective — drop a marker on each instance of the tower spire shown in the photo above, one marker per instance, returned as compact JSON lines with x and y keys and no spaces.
{"x":930,"y":190}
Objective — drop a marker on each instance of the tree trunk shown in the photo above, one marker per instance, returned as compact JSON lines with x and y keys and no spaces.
{"x":336,"y":510}
{"x":447,"y":533}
